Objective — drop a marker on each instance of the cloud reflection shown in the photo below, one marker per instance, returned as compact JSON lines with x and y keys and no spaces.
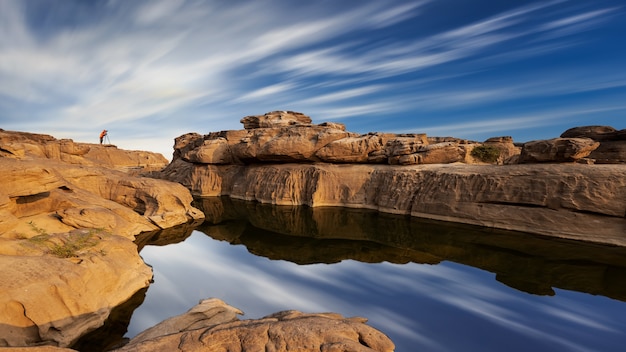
{"x":416,"y":305}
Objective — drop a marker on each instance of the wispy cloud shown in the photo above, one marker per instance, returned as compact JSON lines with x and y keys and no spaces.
{"x":123,"y":63}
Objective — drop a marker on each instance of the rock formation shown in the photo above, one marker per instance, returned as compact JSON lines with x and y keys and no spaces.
{"x":20,"y":145}
{"x":69,"y":213}
{"x":213,"y":325}
{"x":68,"y":218}
{"x":298,"y":163}
{"x":612,"y":148}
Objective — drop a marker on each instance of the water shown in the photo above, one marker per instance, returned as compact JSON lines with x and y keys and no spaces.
{"x":429,"y":286}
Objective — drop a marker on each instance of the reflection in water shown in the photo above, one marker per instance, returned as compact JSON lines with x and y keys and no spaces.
{"x":306,"y":235}
{"x":378,"y":272}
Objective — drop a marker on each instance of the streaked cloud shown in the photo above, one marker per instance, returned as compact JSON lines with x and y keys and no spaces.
{"x":72,"y":68}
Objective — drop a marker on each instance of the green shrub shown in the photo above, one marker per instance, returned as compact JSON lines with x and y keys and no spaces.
{"x":486,"y":153}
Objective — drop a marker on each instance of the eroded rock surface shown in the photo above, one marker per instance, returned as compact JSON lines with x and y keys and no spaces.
{"x":22,"y":145}
{"x":612,"y":148}
{"x":538,"y":187}
{"x":56,"y":287}
{"x":213,"y":326}
{"x":68,"y":218}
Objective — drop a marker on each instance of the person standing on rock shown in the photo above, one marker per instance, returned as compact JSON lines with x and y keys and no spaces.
{"x":102,"y":135}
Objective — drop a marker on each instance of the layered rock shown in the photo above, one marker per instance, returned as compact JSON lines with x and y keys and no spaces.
{"x":68,"y":218}
{"x":557,"y":150}
{"x":322,"y":165}
{"x":22,"y":145}
{"x":612,"y":148}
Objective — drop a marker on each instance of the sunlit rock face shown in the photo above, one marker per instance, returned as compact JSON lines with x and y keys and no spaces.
{"x":20,"y":145}
{"x":275,"y":119}
{"x":321,"y":165}
{"x":69,"y":213}
{"x":213,"y":325}
{"x":46,"y":298}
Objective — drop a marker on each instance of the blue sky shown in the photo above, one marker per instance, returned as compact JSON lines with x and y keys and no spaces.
{"x":149,"y":71}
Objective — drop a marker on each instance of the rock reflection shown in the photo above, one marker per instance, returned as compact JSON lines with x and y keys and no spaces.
{"x":111,"y":334}
{"x":306,"y":235}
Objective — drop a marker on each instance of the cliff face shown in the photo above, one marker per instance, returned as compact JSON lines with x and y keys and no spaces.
{"x":437,"y":178}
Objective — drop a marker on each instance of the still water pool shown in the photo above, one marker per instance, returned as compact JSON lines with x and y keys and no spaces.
{"x":429,"y":286}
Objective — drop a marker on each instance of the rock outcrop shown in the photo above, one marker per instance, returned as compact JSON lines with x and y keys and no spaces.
{"x":56,"y":287}
{"x":323,"y":165}
{"x":557,"y":150}
{"x":612,"y":148}
{"x":213,"y":325}
{"x":21,"y":145}
{"x":68,"y":218}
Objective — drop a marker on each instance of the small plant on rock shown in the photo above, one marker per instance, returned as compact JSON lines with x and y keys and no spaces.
{"x":486,"y":153}
{"x":74,"y":242}
{"x":65,"y":245}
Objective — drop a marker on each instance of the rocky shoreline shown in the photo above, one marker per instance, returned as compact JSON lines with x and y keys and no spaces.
{"x":572,"y":187}
{"x":70,"y":216}
{"x":74,"y":214}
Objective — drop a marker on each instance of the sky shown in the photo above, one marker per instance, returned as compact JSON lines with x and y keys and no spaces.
{"x":150,"y":71}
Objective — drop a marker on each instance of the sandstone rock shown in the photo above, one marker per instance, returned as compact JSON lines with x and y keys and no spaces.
{"x":284,"y":331}
{"x":563,"y":200}
{"x":333,"y":125}
{"x":610,"y":152}
{"x":350,"y":149}
{"x":612,"y":149}
{"x":208,"y":313}
{"x":509,"y":152}
{"x":57,"y":279}
{"x":275,"y":119}
{"x":22,"y":145}
{"x":597,"y":133}
{"x":61,"y":197}
{"x":46,"y":298}
{"x":212,"y":151}
{"x":557,"y":150}
{"x":185,"y":143}
{"x":405,"y":144}
{"x":441,"y":153}
{"x":285,"y":144}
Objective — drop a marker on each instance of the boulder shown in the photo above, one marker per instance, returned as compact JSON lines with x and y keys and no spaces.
{"x":612,"y":149}
{"x":405,"y":144}
{"x":557,"y":150}
{"x":212,"y":151}
{"x":597,"y":133}
{"x":275,"y":119}
{"x":213,"y":326}
{"x":285,"y":144}
{"x":350,"y":149}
